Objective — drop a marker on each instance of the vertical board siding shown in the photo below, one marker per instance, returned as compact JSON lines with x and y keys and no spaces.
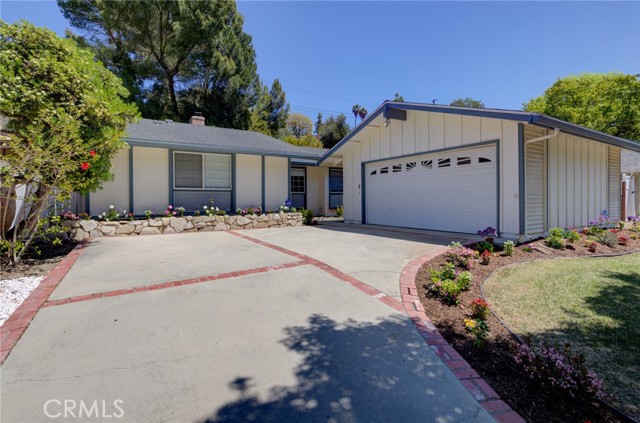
{"x":615,"y":194}
{"x":349,"y":189}
{"x":535,"y":185}
{"x":471,"y":129}
{"x":509,"y":182}
{"x":422,"y":131}
{"x":452,"y":130}
{"x":436,"y":131}
{"x":374,"y":140}
{"x":396,"y":138}
{"x":408,"y":134}
{"x":356,"y":176}
{"x":385,"y":141}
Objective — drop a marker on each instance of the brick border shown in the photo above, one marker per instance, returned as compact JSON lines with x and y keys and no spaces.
{"x":470,"y":379}
{"x":356,"y":283}
{"x":17,"y":323}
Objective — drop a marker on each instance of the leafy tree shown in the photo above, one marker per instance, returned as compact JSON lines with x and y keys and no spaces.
{"x":333,"y":130}
{"x":299,"y":125}
{"x":609,"y":102}
{"x":175,"y":57}
{"x":66,"y":117}
{"x":318,"y":123}
{"x":467,"y":102}
{"x":398,"y":98}
{"x":307,"y":140}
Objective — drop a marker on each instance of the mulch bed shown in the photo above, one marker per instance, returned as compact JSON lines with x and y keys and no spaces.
{"x":494,"y":361}
{"x":38,"y":261}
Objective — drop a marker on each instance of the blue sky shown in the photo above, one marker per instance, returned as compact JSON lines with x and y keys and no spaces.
{"x":332,"y":55}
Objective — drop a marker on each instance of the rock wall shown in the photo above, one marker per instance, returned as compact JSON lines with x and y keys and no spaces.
{"x":82,"y":229}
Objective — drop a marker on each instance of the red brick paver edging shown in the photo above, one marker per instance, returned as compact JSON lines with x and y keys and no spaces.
{"x":17,"y":323}
{"x":477,"y":386}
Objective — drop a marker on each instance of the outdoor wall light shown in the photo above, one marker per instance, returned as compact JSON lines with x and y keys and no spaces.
{"x":387,"y":122}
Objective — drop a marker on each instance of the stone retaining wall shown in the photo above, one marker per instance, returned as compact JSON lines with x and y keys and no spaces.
{"x":82,"y":229}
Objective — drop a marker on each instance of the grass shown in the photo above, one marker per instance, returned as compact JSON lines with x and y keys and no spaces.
{"x":594,"y":303}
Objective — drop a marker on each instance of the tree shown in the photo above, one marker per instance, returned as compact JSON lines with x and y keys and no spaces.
{"x":333,"y":130}
{"x":270,"y":113}
{"x":318,"y":123}
{"x":467,"y":102}
{"x":363,"y":113}
{"x":304,"y":141}
{"x":608,"y":103}
{"x":299,"y":125}
{"x":176,"y":57}
{"x":358,"y":112}
{"x":66,"y":119}
{"x":398,"y":98}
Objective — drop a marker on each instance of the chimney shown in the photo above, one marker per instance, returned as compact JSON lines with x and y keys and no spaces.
{"x":197,"y":119}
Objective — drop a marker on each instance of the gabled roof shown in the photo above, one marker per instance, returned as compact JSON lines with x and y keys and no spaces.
{"x":515,"y":115}
{"x":156,"y":133}
{"x":630,"y":161}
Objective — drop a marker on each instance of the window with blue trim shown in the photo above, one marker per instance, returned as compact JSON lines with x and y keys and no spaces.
{"x":335,"y":187}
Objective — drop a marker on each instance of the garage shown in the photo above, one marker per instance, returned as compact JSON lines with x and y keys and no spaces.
{"x":454,"y":190}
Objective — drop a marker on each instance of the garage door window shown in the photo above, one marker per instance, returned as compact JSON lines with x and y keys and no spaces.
{"x":484,"y":160}
{"x":463,"y":161}
{"x":444,"y":162}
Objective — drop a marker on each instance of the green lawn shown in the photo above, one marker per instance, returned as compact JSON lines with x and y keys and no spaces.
{"x":592,"y":302}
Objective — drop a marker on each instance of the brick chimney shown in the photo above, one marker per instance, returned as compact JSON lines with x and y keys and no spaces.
{"x":197,"y":119}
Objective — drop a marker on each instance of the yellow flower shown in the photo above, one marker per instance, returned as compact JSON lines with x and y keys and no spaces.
{"x":470,"y":324}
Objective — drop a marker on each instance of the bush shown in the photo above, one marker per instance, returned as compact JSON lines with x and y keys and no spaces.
{"x":623,"y":240}
{"x":464,"y":280}
{"x":485,"y":257}
{"x":554,"y":242}
{"x":483,"y":246}
{"x":307,"y":215}
{"x":591,"y":245}
{"x":556,"y":232}
{"x":571,"y":236}
{"x":607,"y":238}
{"x":479,"y":329}
{"x":479,"y":309}
{"x":339,"y":211}
{"x":460,"y":256}
{"x":447,"y":285}
{"x":509,"y":248}
{"x":559,"y":373}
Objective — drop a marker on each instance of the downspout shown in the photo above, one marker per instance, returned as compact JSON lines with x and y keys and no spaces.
{"x":555,"y":133}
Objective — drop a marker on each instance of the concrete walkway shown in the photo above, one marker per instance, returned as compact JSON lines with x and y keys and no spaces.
{"x":252,"y":332}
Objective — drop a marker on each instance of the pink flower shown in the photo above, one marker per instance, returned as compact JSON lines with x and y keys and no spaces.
{"x":85,"y":166}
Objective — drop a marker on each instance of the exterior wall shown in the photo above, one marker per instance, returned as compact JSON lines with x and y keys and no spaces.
{"x":424,"y":132}
{"x":581,"y":180}
{"x":317,"y":195}
{"x":150,"y":179}
{"x":115,"y":192}
{"x":276,"y":182}
{"x":248,"y":181}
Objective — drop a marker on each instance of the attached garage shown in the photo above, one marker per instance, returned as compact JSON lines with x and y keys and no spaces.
{"x":455,"y":190}
{"x":461,"y":169}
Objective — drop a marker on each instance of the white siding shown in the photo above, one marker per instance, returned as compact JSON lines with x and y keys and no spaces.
{"x":316,"y":189}
{"x":276,"y":187}
{"x":150,"y":179}
{"x":535,"y":182}
{"x":115,"y":192}
{"x":248,"y":181}
{"x":615,"y":194}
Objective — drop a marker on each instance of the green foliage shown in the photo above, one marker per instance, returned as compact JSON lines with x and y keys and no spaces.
{"x":571,"y":236}
{"x":607,"y":238}
{"x":67,"y":117}
{"x":480,"y":329}
{"x":509,"y":248}
{"x":461,"y":256}
{"x":609,"y":102}
{"x":556,"y":232}
{"x":464,"y":280}
{"x":483,"y":246}
{"x":554,"y":242}
{"x":446,"y":285}
{"x":339,"y":210}
{"x":333,"y":130}
{"x":299,"y":125}
{"x":307,"y":215}
{"x":485,"y":257}
{"x":304,"y":141}
{"x":447,"y":272}
{"x":358,"y":112}
{"x":467,"y":102}
{"x":398,"y":98}
{"x":271,"y":111}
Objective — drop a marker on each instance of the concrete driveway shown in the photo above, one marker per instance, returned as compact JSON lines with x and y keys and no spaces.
{"x":229,"y":327}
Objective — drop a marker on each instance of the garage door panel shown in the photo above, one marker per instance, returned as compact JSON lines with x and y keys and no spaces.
{"x":419,"y":194}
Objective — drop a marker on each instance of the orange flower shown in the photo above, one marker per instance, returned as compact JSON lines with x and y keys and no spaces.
{"x":92,"y":153}
{"x":85,"y":166}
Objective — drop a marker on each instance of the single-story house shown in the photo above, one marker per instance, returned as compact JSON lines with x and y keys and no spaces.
{"x":631,"y":183}
{"x":407,"y":164}
{"x":190,"y":165}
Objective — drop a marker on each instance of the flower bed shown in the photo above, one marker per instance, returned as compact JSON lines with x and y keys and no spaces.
{"x":492,"y":350}
{"x":81,"y":229}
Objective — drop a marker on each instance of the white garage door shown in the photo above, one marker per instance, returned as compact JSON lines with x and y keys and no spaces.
{"x":450,"y":191}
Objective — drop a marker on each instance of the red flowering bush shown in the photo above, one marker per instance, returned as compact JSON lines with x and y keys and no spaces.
{"x":559,"y":373}
{"x":479,"y":309}
{"x":485,"y":257}
{"x":623,"y":240}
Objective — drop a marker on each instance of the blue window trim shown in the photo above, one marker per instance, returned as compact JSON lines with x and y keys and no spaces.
{"x":264,"y":196}
{"x":329,"y":191}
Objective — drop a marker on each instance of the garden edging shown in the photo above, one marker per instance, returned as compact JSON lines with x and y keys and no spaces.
{"x":470,"y":379}
{"x":82,"y":229}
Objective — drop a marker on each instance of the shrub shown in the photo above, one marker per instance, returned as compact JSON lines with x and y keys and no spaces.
{"x":339,"y":211}
{"x":623,"y":240}
{"x":479,"y":329}
{"x":447,"y":285}
{"x":461,"y":256}
{"x":485,"y":257}
{"x":69,"y":215}
{"x":169,"y":212}
{"x":479,"y":309}
{"x":483,"y":246}
{"x":308,"y":216}
{"x":180,"y":211}
{"x":571,"y":236}
{"x":112,"y":214}
{"x":556,"y":232}
{"x":84,"y":216}
{"x":634,"y":236}
{"x":448,"y":272}
{"x":148,"y":214}
{"x":554,"y":242}
{"x":509,"y":248}
{"x":621,"y":224}
{"x":559,"y":373}
{"x":464,"y":280}
{"x":211,"y":210}
{"x":591,"y":245}
{"x":607,"y":238}
{"x":527,"y":249}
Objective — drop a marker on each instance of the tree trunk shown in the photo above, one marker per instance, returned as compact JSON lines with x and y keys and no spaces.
{"x":172,"y":95}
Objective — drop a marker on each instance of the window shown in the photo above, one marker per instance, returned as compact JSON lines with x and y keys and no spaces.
{"x":411,"y":166}
{"x":464,"y":161}
{"x":384,"y":170}
{"x":427,"y":164}
{"x":335,"y":188}
{"x":444,"y":162}
{"x":484,"y":160}
{"x":375,"y":172}
{"x":202,"y":171}
{"x":297,"y":180}
{"x":397,"y":168}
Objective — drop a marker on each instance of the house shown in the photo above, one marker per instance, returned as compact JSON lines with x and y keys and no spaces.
{"x":463,"y":169}
{"x":631,"y":183}
{"x":190,"y":165}
{"x":410,"y":165}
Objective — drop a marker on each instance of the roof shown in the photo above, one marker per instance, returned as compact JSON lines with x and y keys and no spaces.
{"x":630,"y":161}
{"x":515,"y":115}
{"x":175,"y":135}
